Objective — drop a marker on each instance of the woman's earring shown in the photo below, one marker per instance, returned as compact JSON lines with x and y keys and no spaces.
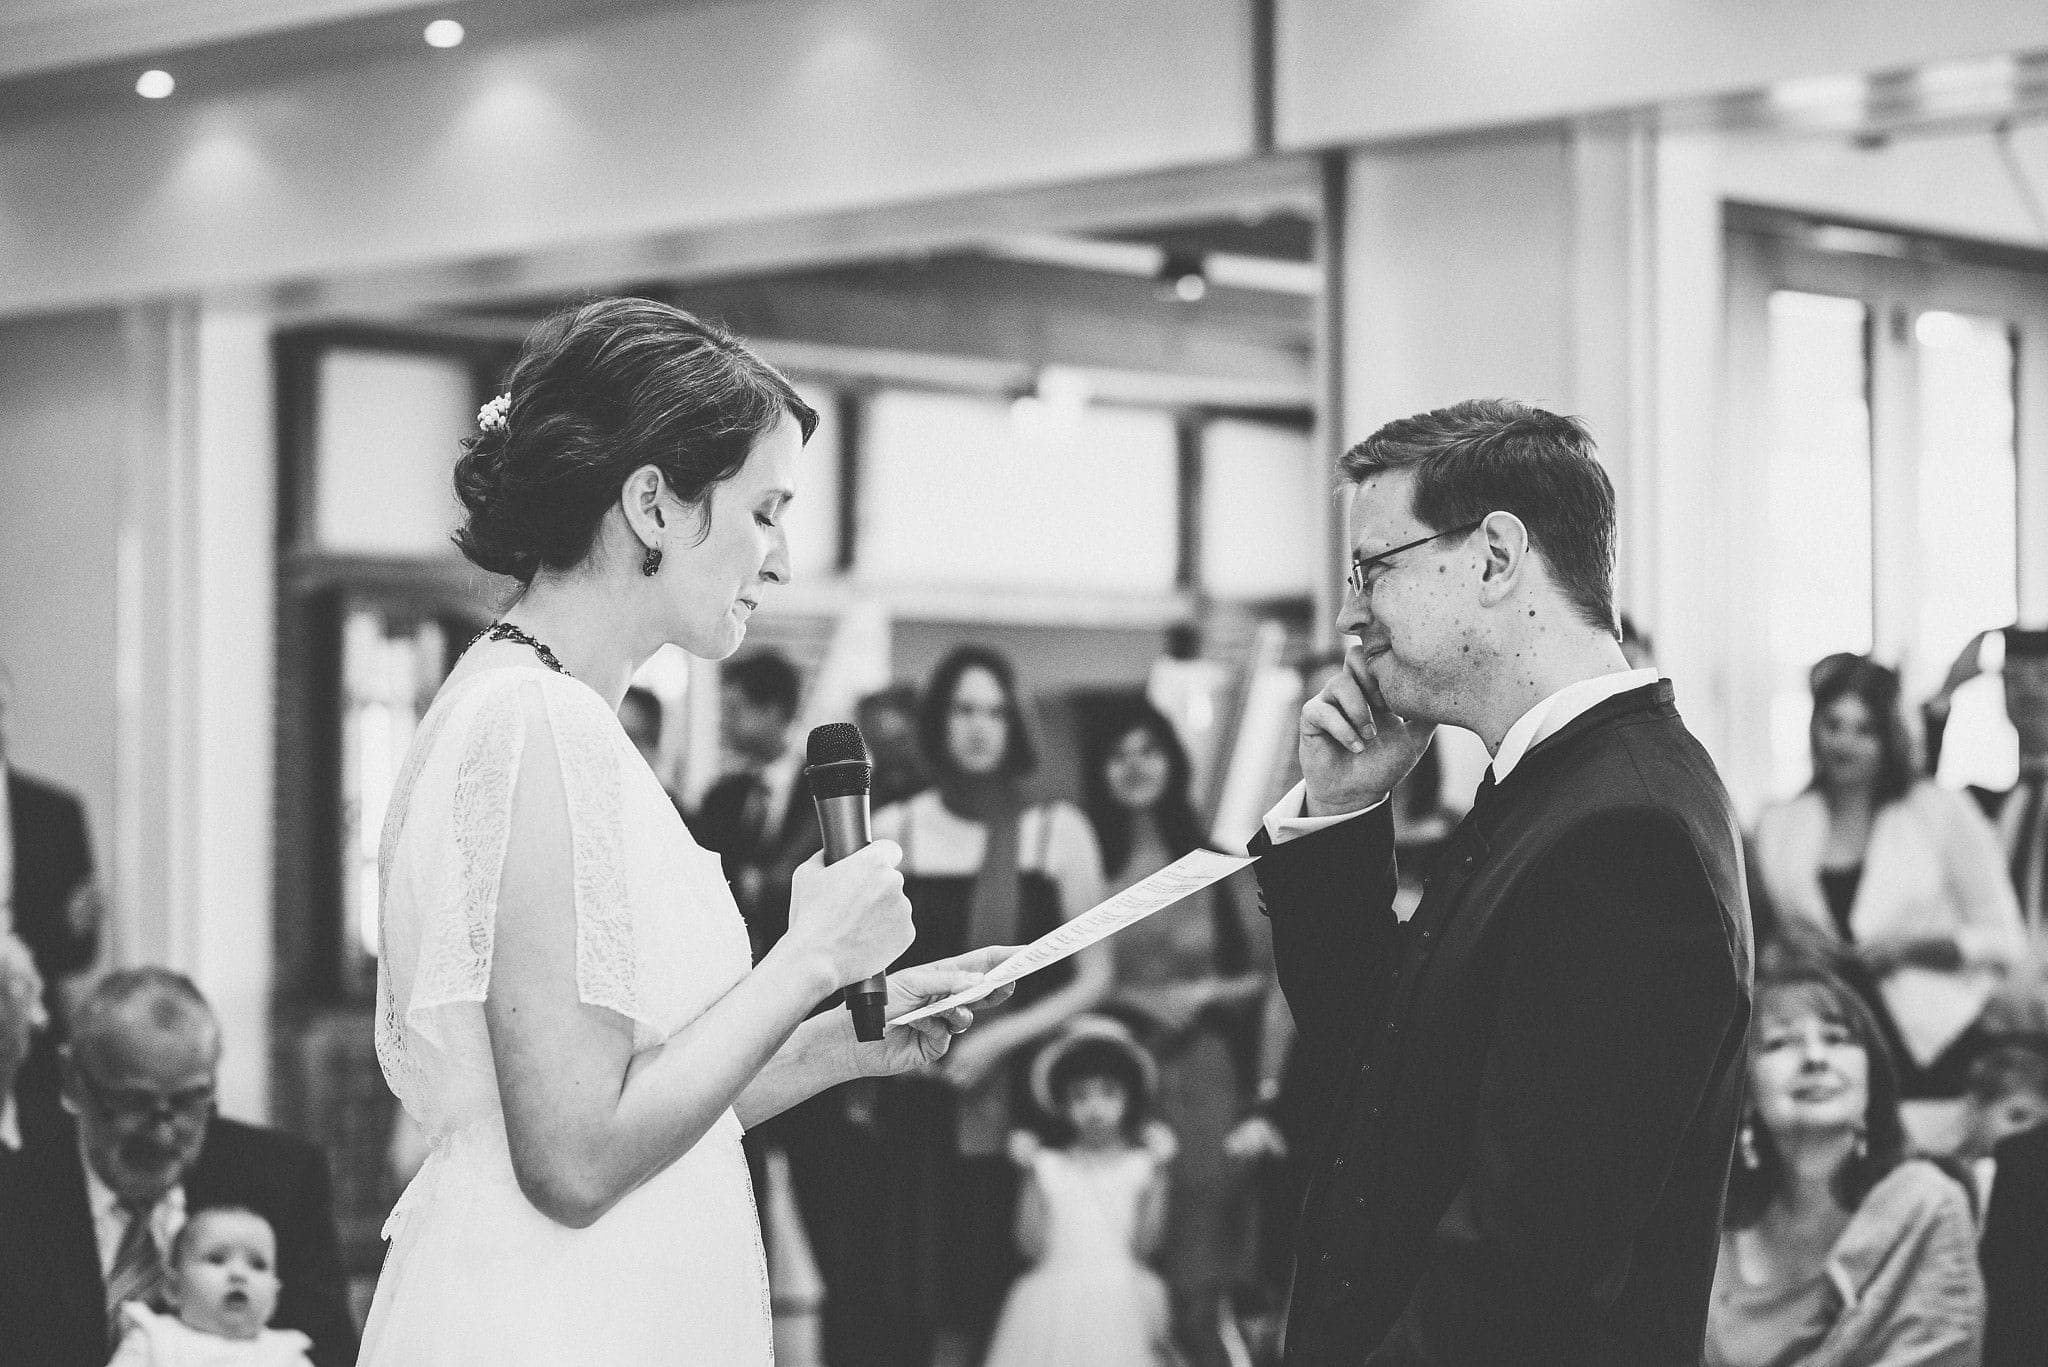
{"x":650,"y":564}
{"x":1862,"y":1144}
{"x":1745,"y":1141}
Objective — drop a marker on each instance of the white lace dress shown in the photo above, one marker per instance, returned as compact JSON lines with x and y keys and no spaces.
{"x":673,"y":1274}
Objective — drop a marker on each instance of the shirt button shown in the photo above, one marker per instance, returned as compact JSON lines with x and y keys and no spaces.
{"x":1344,"y":1285}
{"x":1358,"y":1202}
{"x":1338,"y":1164}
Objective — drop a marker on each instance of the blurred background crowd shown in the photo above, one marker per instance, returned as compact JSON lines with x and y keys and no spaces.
{"x":1089,"y":294}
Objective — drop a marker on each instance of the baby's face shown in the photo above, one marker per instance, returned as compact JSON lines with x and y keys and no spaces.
{"x":225,"y":1281}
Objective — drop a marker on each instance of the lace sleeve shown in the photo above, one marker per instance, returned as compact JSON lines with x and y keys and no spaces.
{"x":565,"y":720}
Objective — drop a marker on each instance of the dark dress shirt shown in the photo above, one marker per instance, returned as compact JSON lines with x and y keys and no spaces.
{"x":1534,"y":1084}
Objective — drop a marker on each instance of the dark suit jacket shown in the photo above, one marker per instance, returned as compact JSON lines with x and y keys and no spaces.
{"x":2015,"y":1254}
{"x":51,"y":1289}
{"x":52,"y":868}
{"x":759,"y":869}
{"x":1535,"y":1083}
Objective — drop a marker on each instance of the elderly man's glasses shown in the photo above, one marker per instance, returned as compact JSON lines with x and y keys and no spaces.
{"x":141,"y":1106}
{"x":1360,"y":578}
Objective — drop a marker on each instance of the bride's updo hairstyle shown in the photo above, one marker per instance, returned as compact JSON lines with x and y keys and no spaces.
{"x":597,"y":393}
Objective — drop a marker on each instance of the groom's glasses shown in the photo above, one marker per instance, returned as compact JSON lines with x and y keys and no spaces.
{"x":1361,"y":570}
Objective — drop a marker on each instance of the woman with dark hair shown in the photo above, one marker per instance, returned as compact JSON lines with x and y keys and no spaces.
{"x":1899,"y":874}
{"x":566,"y":1000}
{"x":982,"y":864}
{"x":1190,"y":981}
{"x":1838,"y":1249}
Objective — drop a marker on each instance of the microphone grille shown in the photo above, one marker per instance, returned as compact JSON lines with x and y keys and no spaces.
{"x":837,"y":742}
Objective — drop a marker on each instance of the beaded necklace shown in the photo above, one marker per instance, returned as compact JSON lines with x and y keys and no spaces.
{"x":505,"y":631}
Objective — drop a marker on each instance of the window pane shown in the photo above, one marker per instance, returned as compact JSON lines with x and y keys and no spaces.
{"x":812,"y":523}
{"x":389,"y":430}
{"x":1258,"y":535}
{"x":1968,"y":515}
{"x":1817,"y":504}
{"x":967,"y":491}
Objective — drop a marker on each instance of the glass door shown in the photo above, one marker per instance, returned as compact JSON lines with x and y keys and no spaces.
{"x":1890,"y":452}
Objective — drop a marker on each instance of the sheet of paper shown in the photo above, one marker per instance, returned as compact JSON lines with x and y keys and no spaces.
{"x":1184,"y":876}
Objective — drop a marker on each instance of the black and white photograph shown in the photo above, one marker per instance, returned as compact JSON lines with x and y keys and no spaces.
{"x":946,"y":683}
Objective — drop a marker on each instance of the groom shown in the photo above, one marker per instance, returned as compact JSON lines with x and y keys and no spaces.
{"x":1535,"y":1081}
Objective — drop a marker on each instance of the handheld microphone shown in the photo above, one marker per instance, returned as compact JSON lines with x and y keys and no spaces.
{"x":836,"y":767}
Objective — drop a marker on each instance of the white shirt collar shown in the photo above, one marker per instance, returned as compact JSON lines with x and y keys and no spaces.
{"x":110,"y":1217}
{"x":10,"y":1122}
{"x":1560,"y":710}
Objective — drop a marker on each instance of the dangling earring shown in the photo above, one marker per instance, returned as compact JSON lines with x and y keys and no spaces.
{"x":1745,"y":1141}
{"x":650,"y":564}
{"x":1862,"y":1149}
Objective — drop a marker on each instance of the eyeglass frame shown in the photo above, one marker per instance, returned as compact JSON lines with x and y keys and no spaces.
{"x":194,"y":1105}
{"x":1354,"y":579}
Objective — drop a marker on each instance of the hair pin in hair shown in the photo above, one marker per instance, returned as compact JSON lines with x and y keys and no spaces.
{"x":491,"y":417}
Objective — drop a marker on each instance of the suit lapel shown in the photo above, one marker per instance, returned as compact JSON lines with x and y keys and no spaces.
{"x":70,"y":1249}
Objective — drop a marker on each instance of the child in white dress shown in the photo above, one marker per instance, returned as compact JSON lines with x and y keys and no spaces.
{"x":1090,"y":1212}
{"x":222,"y":1290}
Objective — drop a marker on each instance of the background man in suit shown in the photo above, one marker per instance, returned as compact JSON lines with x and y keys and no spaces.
{"x":2020,"y":812}
{"x":759,"y":818}
{"x":1535,"y":1081}
{"x":2015,"y":1253}
{"x":94,"y":1208}
{"x":48,"y":896}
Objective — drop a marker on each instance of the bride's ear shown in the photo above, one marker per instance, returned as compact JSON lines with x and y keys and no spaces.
{"x":640,"y":500}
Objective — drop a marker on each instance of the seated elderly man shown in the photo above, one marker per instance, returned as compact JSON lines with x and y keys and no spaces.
{"x":95,"y":1205}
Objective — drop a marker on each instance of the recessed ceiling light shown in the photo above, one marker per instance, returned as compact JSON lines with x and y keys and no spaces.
{"x":444,"y":33}
{"x":154,"y":85}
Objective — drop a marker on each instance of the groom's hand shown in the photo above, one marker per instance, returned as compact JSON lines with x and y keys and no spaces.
{"x":1353,"y":749}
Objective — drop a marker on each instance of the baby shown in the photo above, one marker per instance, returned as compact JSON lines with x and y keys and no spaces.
{"x":222,"y":1290}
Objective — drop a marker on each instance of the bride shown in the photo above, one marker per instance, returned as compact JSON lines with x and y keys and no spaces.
{"x":566,"y":1002}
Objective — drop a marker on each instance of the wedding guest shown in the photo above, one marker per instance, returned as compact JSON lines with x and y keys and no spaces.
{"x":1904,"y":874}
{"x":1092,"y":1211}
{"x":2008,"y":1093}
{"x":983,"y":864}
{"x":2020,"y":812}
{"x":1189,"y":978}
{"x":47,"y":896}
{"x":2014,"y":1252}
{"x":758,"y":818}
{"x":221,"y":1291}
{"x":99,"y":1203}
{"x":1838,"y":1249}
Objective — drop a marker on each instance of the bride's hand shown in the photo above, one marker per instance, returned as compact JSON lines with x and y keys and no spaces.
{"x":921,"y":1044}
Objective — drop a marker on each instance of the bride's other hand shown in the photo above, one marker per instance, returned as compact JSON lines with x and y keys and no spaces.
{"x":850,"y":916}
{"x":921,"y":1044}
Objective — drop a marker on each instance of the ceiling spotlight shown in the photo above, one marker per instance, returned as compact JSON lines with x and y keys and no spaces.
{"x":1182,"y":277}
{"x":155,"y":85}
{"x":444,"y":33}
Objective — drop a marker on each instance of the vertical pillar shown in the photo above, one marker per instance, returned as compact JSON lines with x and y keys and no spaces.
{"x":194,"y":667}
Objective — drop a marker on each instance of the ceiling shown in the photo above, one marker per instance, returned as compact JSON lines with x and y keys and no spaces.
{"x":56,"y":55}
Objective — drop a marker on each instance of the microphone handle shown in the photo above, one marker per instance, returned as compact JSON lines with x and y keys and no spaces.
{"x":843,"y":821}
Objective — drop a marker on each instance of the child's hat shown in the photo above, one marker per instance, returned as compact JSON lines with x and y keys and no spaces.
{"x":1090,"y":1029}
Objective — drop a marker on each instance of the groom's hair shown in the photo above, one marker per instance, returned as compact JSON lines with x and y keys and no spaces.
{"x":1495,"y":455}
